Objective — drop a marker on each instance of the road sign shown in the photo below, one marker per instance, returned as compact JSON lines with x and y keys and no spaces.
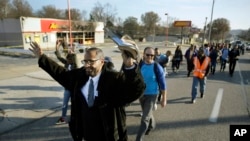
{"x":182,"y":23}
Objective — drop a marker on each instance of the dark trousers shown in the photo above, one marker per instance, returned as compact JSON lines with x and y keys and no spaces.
{"x":176,"y":64}
{"x":190,"y":67}
{"x":232,"y":64}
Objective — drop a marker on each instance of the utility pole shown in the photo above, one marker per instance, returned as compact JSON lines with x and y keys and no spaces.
{"x":167,"y":30}
{"x":211,"y":23}
{"x":205,"y":27}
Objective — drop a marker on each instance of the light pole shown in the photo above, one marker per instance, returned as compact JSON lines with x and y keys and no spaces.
{"x":167,"y":30}
{"x":203,"y":39}
{"x":70,"y":35}
{"x":211,"y":23}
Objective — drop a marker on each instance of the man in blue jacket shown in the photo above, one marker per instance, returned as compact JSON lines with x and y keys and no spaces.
{"x":154,"y":79}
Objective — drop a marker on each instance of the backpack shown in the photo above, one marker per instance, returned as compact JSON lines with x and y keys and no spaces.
{"x":156,"y":71}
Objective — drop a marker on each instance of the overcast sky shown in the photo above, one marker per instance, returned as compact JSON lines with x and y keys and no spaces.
{"x":236,"y":11}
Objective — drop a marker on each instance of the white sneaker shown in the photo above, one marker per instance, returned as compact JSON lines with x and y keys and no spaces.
{"x":166,"y":74}
{"x":155,"y":107}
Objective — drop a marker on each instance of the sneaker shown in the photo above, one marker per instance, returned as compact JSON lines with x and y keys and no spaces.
{"x":155,"y":107}
{"x":140,"y":114}
{"x":193,"y":101}
{"x":61,"y":120}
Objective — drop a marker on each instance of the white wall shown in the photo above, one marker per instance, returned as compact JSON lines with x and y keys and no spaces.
{"x":30,"y":24}
{"x":99,"y":32}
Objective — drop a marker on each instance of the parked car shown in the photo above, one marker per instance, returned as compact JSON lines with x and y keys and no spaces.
{"x":247,"y":46}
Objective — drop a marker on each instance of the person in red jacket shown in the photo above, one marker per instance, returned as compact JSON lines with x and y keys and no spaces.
{"x":200,"y":72}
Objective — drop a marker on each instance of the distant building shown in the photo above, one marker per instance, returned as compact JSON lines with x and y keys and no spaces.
{"x":46,"y":31}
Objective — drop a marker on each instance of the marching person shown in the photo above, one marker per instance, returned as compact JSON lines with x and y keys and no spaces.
{"x":189,"y":55}
{"x":233,"y":58}
{"x":213,"y":56}
{"x":224,"y":57}
{"x":69,"y":64}
{"x":154,"y":78}
{"x":169,"y":58}
{"x":97,"y":94}
{"x":200,"y":72}
{"x":177,"y":59}
{"x":162,"y":59}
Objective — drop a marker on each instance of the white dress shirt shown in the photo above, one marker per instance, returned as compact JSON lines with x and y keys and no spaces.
{"x":86,"y":86}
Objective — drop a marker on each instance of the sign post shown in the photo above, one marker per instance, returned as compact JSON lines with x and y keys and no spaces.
{"x":182,"y":24}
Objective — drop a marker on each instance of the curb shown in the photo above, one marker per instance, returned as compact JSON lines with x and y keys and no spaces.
{"x":16,"y":54}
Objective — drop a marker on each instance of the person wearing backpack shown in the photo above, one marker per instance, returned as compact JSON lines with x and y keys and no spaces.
{"x":162,"y":59}
{"x":154,"y":79}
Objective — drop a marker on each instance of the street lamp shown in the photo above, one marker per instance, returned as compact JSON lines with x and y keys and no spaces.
{"x":210,"y":27}
{"x":167,"y":30}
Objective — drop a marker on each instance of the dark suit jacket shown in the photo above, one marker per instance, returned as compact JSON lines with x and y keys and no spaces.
{"x":115,"y":90}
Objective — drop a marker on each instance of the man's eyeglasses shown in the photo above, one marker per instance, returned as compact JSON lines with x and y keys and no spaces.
{"x":150,"y":55}
{"x":90,"y":62}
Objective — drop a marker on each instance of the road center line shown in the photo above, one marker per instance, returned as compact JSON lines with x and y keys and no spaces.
{"x":216,"y":109}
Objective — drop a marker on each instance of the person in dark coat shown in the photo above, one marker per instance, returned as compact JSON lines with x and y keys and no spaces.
{"x":177,"y":59}
{"x":213,"y":56}
{"x":97,"y":94}
{"x":189,"y":55}
{"x":233,"y":58}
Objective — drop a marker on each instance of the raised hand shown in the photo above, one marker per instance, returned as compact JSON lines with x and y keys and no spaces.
{"x":127,"y":60}
{"x":58,"y":44}
{"x":36,"y":49}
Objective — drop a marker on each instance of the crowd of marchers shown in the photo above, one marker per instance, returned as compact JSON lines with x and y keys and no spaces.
{"x":99,"y":93}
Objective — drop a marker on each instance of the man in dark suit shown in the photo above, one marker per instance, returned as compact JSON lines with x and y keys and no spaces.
{"x":98,"y":94}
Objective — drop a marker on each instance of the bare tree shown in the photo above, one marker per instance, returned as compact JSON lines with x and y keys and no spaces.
{"x":75,"y":14}
{"x":4,"y":8}
{"x":50,"y":11}
{"x":220,"y":29}
{"x":119,"y":24}
{"x":20,"y":8}
{"x":131,"y":26}
{"x":103,"y":13}
{"x":84,"y":15}
{"x":149,"y":20}
{"x":245,"y":35}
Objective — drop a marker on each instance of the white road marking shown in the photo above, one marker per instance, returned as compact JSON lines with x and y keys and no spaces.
{"x":216,"y":108}
{"x":244,"y":93}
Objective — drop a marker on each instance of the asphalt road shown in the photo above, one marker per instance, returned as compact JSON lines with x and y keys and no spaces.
{"x":226,"y":102}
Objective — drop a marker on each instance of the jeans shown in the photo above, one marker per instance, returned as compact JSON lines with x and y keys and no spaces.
{"x":196,"y":81}
{"x":223,"y":64}
{"x":147,"y":121}
{"x":66,"y":97}
{"x":213,"y":66}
